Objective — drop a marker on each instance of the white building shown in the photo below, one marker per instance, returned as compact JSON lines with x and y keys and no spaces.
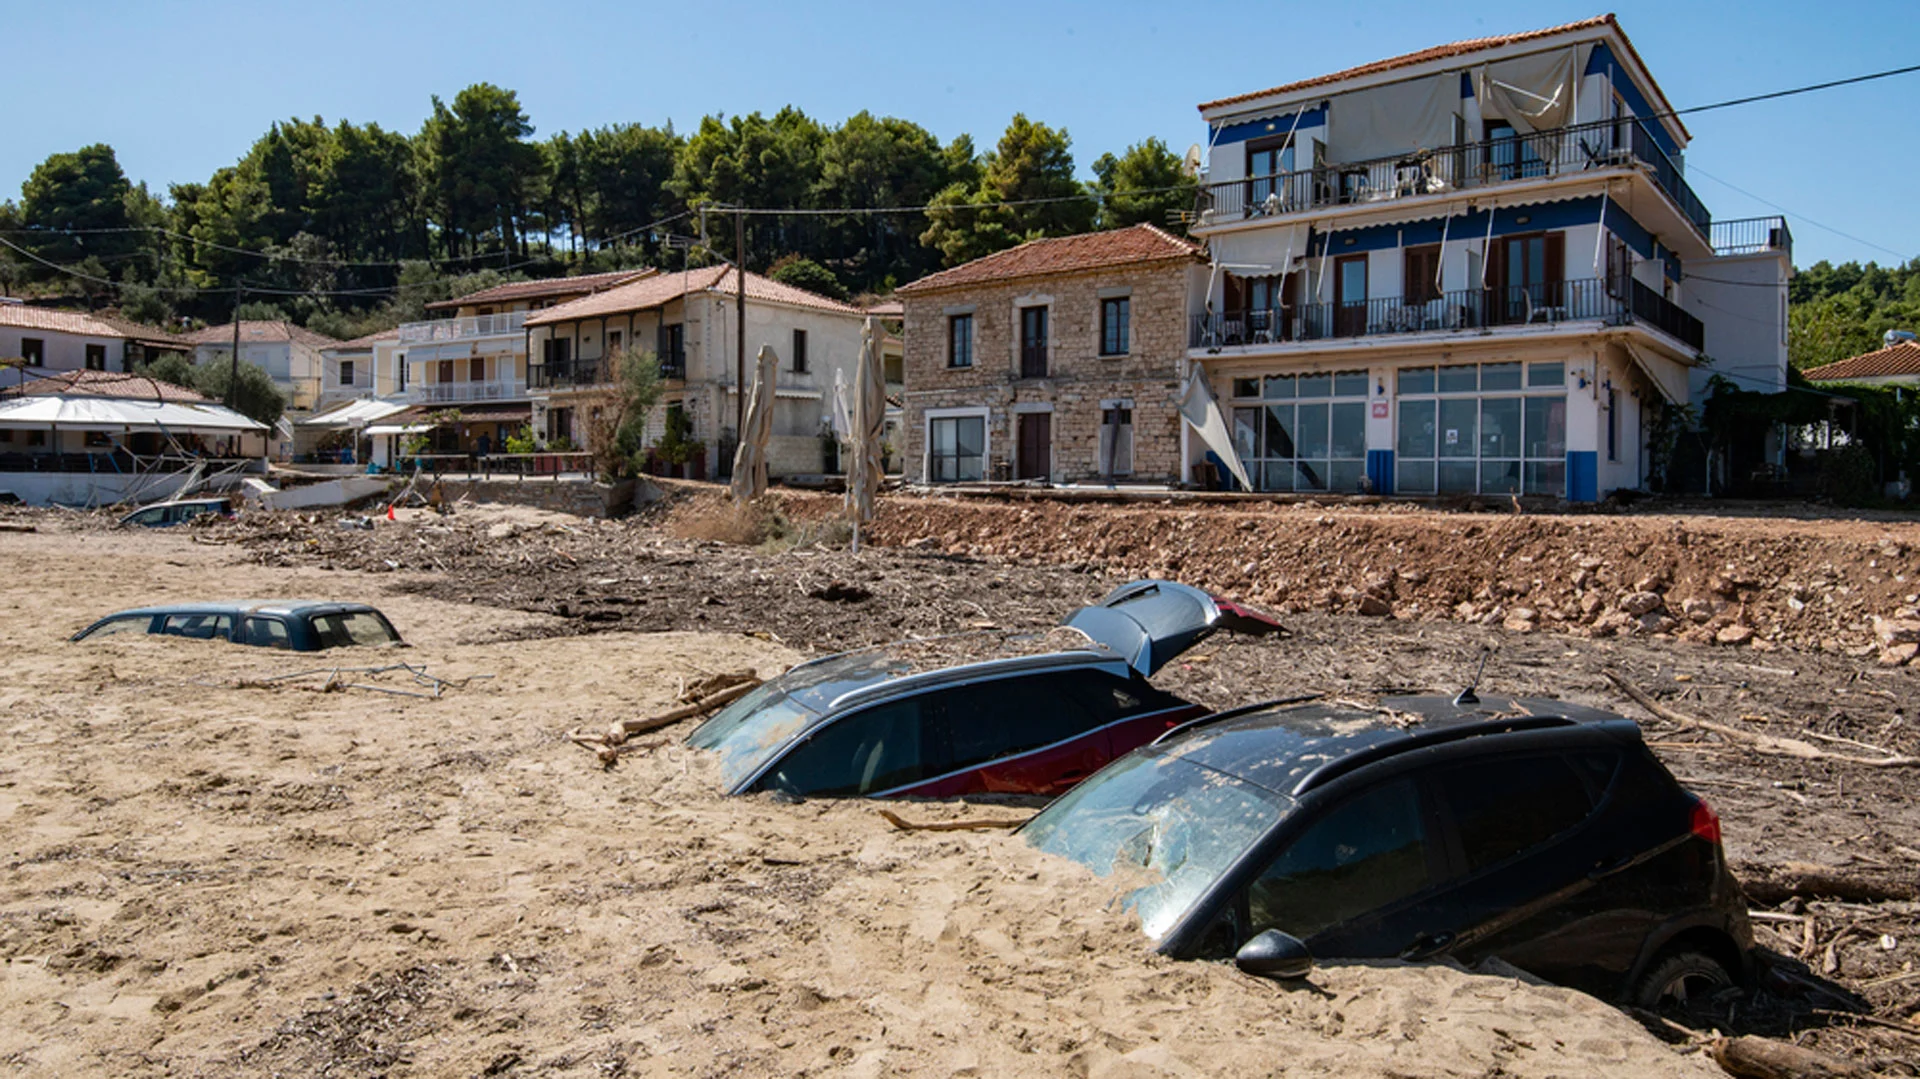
{"x":46,"y":341}
{"x":1474,"y":268}
{"x":291,"y":355}
{"x":687,"y":318}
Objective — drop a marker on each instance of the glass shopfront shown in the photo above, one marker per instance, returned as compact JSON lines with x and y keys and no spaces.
{"x":1304,"y":432}
{"x":1488,"y":428}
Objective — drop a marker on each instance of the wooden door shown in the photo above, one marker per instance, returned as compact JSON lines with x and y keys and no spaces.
{"x":1034,"y":454}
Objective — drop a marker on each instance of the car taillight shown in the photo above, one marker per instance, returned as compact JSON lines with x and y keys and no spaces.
{"x":1704,"y":822}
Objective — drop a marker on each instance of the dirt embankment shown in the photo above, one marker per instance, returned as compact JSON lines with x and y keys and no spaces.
{"x":1845,"y":587}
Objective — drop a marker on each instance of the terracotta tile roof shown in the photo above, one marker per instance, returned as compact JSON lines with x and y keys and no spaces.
{"x":261,"y":333}
{"x":1900,"y":359}
{"x":543,"y":289}
{"x":151,"y":335}
{"x":654,"y":291}
{"x":85,"y":323}
{"x":1064,"y":254}
{"x":888,"y":308}
{"x":106,"y":384}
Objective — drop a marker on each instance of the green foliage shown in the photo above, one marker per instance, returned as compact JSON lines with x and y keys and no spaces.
{"x":677,"y":445}
{"x":1882,"y":423}
{"x":255,"y":395}
{"x":617,"y":417}
{"x":1032,"y":169}
{"x":1838,"y":312}
{"x":807,"y":274}
{"x":521,"y":441}
{"x":81,"y":190}
{"x":479,"y":175}
{"x":1143,"y":185}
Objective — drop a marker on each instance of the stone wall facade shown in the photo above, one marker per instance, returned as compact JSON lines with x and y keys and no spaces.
{"x":1080,"y":384}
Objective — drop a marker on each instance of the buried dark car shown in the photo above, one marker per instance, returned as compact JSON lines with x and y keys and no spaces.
{"x":293,"y":625}
{"x":976,"y":713}
{"x":1542,"y":833}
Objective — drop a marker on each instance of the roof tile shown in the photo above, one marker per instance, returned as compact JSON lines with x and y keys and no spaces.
{"x":27,"y":317}
{"x":261,"y":333}
{"x":1063,"y":254}
{"x":545,"y":288}
{"x":106,"y":384}
{"x":1899,"y":359}
{"x":663,"y":288}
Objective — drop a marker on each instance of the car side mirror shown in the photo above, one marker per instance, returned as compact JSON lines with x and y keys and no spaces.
{"x":1274,"y":954}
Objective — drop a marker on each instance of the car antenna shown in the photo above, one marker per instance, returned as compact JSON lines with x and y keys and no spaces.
{"x":1467,"y":695}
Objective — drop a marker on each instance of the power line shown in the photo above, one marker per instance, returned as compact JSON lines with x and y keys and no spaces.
{"x":1796,"y":90}
{"x":1697,"y":170}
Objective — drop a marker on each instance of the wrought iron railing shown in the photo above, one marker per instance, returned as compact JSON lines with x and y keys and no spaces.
{"x":1752,"y":236}
{"x":1464,"y":309}
{"x":549,"y":376}
{"x":1555,"y":152}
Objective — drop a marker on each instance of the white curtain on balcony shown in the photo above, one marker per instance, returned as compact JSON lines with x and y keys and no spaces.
{"x":1398,"y":118}
{"x":1246,"y":253}
{"x":1533,"y":93}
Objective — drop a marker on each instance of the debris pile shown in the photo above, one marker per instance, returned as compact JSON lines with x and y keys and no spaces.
{"x":1847,"y":587}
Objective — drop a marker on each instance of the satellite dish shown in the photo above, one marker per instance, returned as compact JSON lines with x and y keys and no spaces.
{"x":1190,"y":165}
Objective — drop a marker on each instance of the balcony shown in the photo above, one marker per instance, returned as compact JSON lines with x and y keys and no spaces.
{"x":462,"y":329}
{"x":1752,"y":236}
{"x":579,"y":374}
{"x":1554,"y":153}
{"x":459,"y":393}
{"x":1466,"y":309}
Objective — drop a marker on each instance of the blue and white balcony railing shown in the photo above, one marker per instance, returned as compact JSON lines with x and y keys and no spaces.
{"x":1466,"y":309}
{"x":1543,"y":154}
{"x":1752,"y":236}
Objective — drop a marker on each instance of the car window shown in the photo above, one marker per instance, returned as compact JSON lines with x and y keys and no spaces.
{"x":126,"y":623}
{"x":1502,"y":806}
{"x":264,"y":632}
{"x":149,"y":516}
{"x":1110,"y":697}
{"x":200,"y":627}
{"x":986,"y":720}
{"x":875,"y":750}
{"x":351,"y":628}
{"x":1364,"y":854}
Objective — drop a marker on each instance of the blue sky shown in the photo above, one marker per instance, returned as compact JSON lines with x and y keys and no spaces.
{"x":180,"y":89}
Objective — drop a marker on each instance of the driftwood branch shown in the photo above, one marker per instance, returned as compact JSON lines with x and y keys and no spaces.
{"x":905,"y":825}
{"x":1764,"y":1058}
{"x":1770,"y":744}
{"x":627,"y":728}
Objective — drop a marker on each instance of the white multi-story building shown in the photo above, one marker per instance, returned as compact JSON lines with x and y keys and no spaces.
{"x":1474,"y":268}
{"x":688,"y":319}
{"x":290,"y":355}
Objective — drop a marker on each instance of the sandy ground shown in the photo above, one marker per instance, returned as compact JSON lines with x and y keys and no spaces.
{"x":204,"y":879}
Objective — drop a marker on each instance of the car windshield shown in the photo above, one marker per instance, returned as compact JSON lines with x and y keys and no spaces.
{"x":751,"y":728}
{"x":1174,"y":825}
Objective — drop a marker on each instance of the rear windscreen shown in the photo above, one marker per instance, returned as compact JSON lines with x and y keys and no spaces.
{"x":352,"y":628}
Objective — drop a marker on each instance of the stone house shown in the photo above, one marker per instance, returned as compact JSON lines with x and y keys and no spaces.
{"x":1059,"y":360}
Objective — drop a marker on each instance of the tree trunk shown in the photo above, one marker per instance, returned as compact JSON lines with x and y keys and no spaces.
{"x":1763,"y":1058}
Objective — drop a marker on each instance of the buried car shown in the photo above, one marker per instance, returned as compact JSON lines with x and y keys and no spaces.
{"x":1542,"y":833}
{"x":177,"y":511}
{"x":292,"y":625}
{"x":974,"y":713}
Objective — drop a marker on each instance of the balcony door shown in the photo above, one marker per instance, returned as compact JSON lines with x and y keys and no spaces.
{"x":1350,"y":296}
{"x":1033,"y":342}
{"x":1268,"y":160}
{"x":1034,"y":459}
{"x":1529,"y":274}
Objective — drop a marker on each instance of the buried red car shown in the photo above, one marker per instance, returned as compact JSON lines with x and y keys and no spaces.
{"x":977,"y":713}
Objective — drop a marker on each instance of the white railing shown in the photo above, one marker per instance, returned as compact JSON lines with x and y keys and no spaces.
{"x":438,"y":393}
{"x":460,"y":329}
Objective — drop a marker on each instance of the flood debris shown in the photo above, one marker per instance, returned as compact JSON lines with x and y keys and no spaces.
{"x":699,"y":697}
{"x":335,"y":679}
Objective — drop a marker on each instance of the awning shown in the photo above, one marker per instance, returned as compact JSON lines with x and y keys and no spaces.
{"x":78,"y":413}
{"x":398,"y":429}
{"x":1397,"y":118}
{"x":1259,"y":252}
{"x":1670,"y":378}
{"x":353,"y":414}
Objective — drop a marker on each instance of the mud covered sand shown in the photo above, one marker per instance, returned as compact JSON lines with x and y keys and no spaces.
{"x":209,"y":880}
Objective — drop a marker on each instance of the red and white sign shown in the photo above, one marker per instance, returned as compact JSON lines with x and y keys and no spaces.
{"x":1379,"y":410}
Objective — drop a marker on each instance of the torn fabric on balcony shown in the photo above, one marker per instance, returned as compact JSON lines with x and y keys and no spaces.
{"x":1533,"y":93}
{"x":1399,"y":118}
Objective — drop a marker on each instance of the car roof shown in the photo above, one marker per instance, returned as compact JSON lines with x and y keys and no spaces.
{"x":865,"y":676}
{"x":1291,"y":749}
{"x":248,"y":606}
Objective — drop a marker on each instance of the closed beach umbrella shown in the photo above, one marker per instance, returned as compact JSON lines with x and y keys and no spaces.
{"x":750,"y":460}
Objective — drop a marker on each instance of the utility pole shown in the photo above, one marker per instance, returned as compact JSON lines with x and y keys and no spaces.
{"x":740,"y":311}
{"x":233,"y":371}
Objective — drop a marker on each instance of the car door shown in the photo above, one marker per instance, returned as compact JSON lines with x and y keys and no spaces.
{"x":1536,"y":880}
{"x":866,"y":752}
{"x":1359,"y":880}
{"x":1036,"y":733}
